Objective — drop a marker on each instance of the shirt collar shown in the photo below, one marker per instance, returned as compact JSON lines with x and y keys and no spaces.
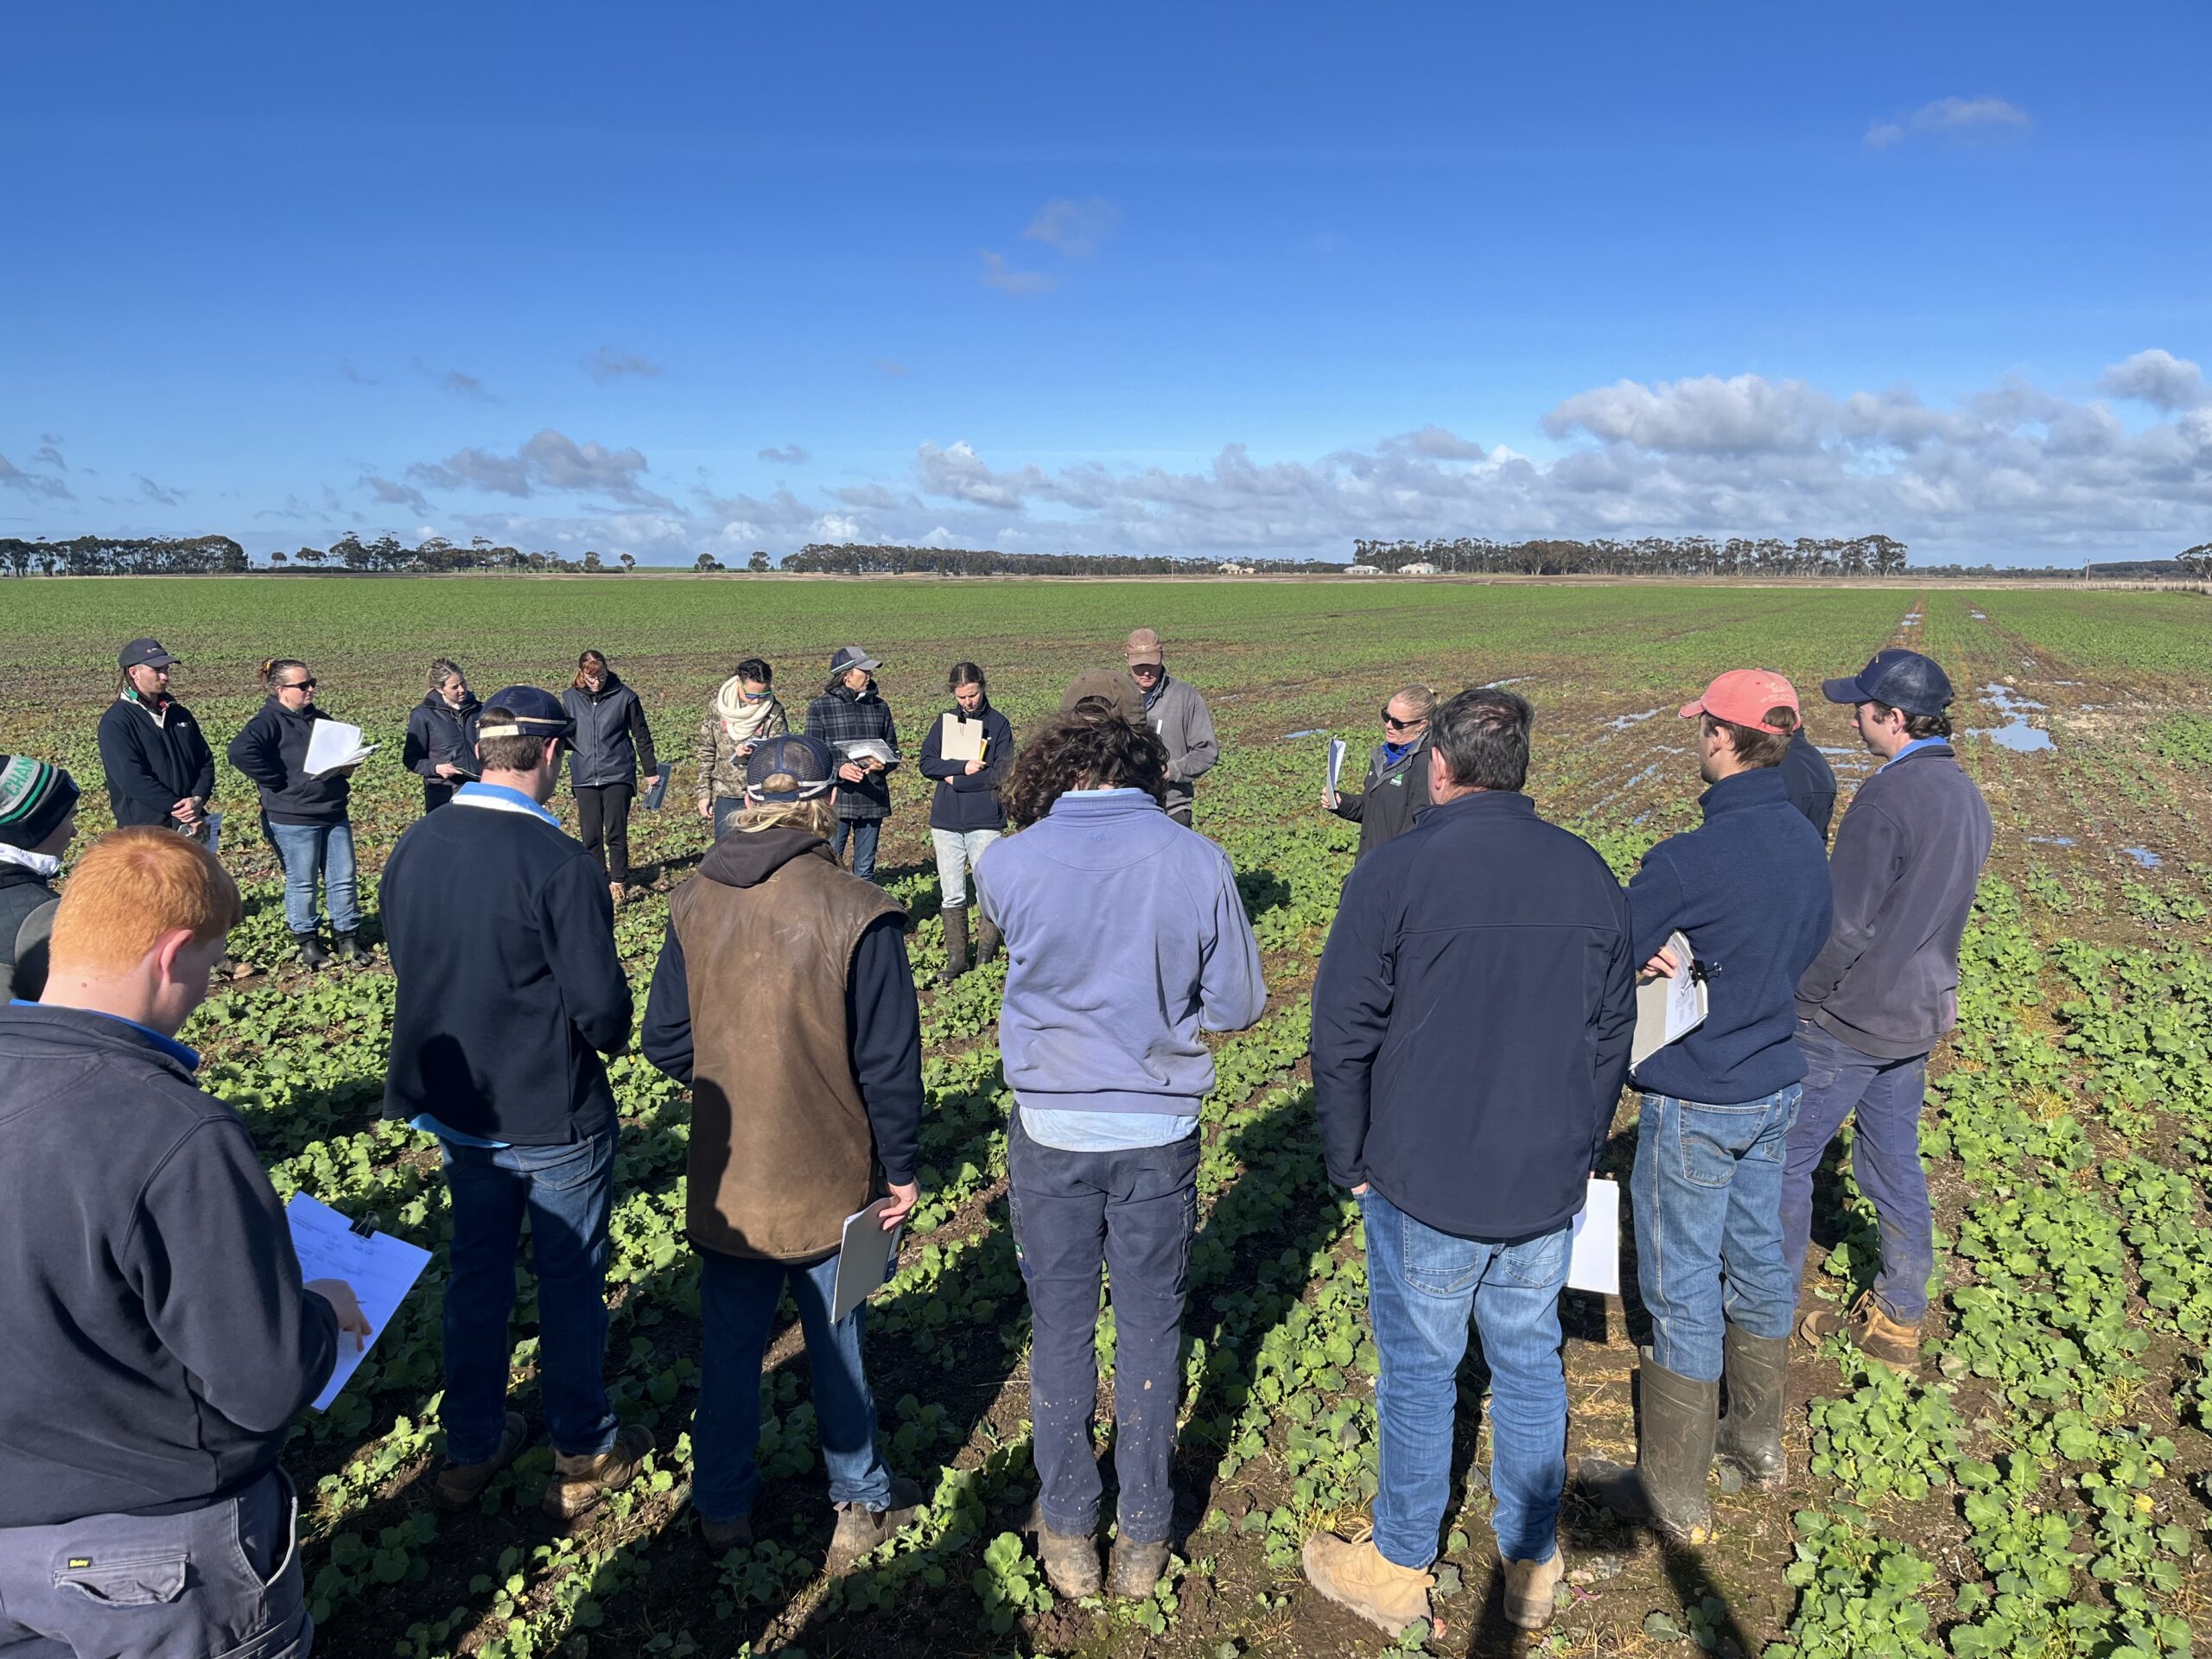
{"x":187,"y":1057}
{"x":1917,"y":743}
{"x":46,"y":865}
{"x":1752,"y":788}
{"x":500,"y":798}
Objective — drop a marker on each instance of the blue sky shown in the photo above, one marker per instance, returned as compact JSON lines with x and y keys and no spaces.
{"x":1250,"y":280}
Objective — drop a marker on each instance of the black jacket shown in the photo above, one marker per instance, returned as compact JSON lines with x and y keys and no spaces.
{"x":271,"y":751}
{"x":1908,"y":857}
{"x":1472,"y":1019}
{"x":151,"y":763}
{"x":502,"y":938}
{"x":881,"y":1012}
{"x":842,"y":715}
{"x":612,"y":740}
{"x":437,"y":731}
{"x":962,"y":801}
{"x":159,"y":1342}
{"x":1809,"y":782}
{"x":1386,"y":804}
{"x":26,"y":906}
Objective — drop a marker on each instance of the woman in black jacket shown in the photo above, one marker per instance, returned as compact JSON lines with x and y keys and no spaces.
{"x":305,"y":817}
{"x":965,"y":816}
{"x":441,"y":734}
{"x":612,"y":745}
{"x":1397,"y":772}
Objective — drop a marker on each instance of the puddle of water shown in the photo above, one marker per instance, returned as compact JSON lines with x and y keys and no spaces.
{"x":2145,"y":857}
{"x":1311,"y":731}
{"x":1911,"y":617}
{"x":2015,"y":733}
{"x":2050,"y":841}
{"x":1637,"y":821}
{"x":1622,"y":722}
{"x":1978,"y":616}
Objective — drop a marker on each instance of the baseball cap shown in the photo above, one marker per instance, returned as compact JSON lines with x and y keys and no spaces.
{"x":1103,"y":689}
{"x":144,"y":653}
{"x":805,"y":760}
{"x":35,"y":796}
{"x":1742,"y":695}
{"x":1143,"y":647}
{"x":1903,"y":679}
{"x":526,"y":711}
{"x":849,"y":658}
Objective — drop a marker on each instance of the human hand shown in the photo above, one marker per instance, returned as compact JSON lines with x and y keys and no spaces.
{"x":706,"y":809}
{"x":901,"y":1204}
{"x":187,"y":810}
{"x":339,"y":1295}
{"x":448,"y":769}
{"x":1329,"y":799}
{"x":975,"y":767}
{"x":851,"y":773}
{"x":872,"y":763}
{"x":744,"y":750}
{"x":1662,"y":964}
{"x":1360,"y":1191}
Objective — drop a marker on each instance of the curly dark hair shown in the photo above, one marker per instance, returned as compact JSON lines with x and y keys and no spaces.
{"x":1083,"y":750}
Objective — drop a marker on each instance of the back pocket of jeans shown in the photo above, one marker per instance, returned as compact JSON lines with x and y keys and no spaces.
{"x":135,"y":1581}
{"x":1437,"y":1263}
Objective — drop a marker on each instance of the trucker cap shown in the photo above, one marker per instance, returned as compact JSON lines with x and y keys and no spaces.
{"x":525,"y":711}
{"x":849,"y":658}
{"x":806,"y":761}
{"x":1742,"y":695}
{"x":1903,"y":679}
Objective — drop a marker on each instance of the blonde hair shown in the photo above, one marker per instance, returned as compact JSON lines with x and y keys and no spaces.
{"x":817,"y":815}
{"x":131,"y":887}
{"x":1422,"y":699}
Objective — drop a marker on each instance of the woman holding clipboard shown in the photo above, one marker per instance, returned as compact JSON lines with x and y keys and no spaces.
{"x":969,"y":751}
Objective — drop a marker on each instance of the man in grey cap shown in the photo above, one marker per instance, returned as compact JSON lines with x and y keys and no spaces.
{"x":850,"y":711}
{"x":1883,"y":992}
{"x":1174,"y":709}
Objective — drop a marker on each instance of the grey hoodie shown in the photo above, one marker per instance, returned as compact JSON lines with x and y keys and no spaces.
{"x":1180,"y":716}
{"x":1908,"y":855}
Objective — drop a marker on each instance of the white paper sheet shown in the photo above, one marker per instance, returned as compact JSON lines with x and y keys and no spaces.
{"x":958,"y":739}
{"x":868,"y":748}
{"x":1335,"y":766}
{"x":1594,"y":1263}
{"x":332,"y":744}
{"x":1667,"y":1010}
{"x":864,"y":1258}
{"x":380,"y":1269}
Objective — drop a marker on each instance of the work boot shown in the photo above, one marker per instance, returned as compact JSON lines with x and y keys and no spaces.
{"x":1070,"y":1559}
{"x":579,"y":1483}
{"x":1361,"y":1578}
{"x":1136,"y":1569}
{"x":1674,"y":1454}
{"x":1532,"y":1589}
{"x":719,"y":1537}
{"x":1757,"y":1371}
{"x":460,"y":1485}
{"x":1878,"y":1336}
{"x":311,"y":955}
{"x":860,"y":1529}
{"x":987,"y":940}
{"x":616,"y":892}
{"x":955,"y":943}
{"x":351,"y":949}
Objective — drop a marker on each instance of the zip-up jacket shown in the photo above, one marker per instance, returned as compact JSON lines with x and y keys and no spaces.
{"x":155,"y":754}
{"x":437,"y":732}
{"x":27,"y":907}
{"x":963,"y":801}
{"x":272,"y":751}
{"x":1180,"y":716}
{"x":1385,"y":806}
{"x":612,"y":742}
{"x":159,"y":1341}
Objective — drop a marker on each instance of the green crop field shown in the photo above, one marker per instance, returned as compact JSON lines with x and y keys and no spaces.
{"x":2043,"y":1492}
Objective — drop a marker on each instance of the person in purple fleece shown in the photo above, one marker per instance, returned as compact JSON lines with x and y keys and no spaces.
{"x":1125,"y":937}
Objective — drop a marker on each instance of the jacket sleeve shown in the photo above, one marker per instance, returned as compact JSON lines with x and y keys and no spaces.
{"x":885,"y":1021}
{"x":1353,"y":992}
{"x":577,"y":919}
{"x":933,"y":763}
{"x":666,"y":1037}
{"x":1352,"y":806}
{"x":1203,"y":749}
{"x":211,"y":1260}
{"x":642,"y":734}
{"x":998,"y":759}
{"x":703,"y":755}
{"x":415,"y":756}
{"x":1232,"y":981}
{"x":1868,"y":844}
{"x":26,"y":979}
{"x":203,"y":775}
{"x":1614,"y":1034}
{"x":1654,"y":904}
{"x":123,"y":758}
{"x":891,"y":731}
{"x":254,"y":752}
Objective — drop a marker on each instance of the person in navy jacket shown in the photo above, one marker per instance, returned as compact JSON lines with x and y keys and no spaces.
{"x":965,"y":816}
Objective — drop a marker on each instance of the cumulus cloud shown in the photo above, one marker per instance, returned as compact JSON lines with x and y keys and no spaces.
{"x":2157,"y":378}
{"x":606,"y":364}
{"x":1961,"y":118}
{"x":390,"y":493}
{"x":789,"y":455}
{"x":550,"y":461}
{"x":345,"y":368}
{"x":48,"y":453}
{"x":1707,"y":415}
{"x":37,"y":486}
{"x":1004,"y":278}
{"x":1075,"y":228}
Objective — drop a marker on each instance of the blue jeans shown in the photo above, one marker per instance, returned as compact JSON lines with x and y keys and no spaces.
{"x":306,"y":850}
{"x":1707,"y":1188}
{"x":1133,"y":1213}
{"x":864,"y":832}
{"x":1885,"y":1157}
{"x":567,"y":1191}
{"x":738,"y":1297}
{"x":1422,"y":1286}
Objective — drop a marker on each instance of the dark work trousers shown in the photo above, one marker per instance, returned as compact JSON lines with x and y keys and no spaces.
{"x":436,"y":792}
{"x":1134,"y":1213}
{"x":603,"y":817}
{"x":221,"y":1579}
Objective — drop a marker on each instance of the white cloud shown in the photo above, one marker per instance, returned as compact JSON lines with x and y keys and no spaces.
{"x":389,"y":492}
{"x":550,"y":461}
{"x":2157,"y":378}
{"x":1707,"y":416}
{"x":1075,"y":228}
{"x":790,"y":455}
{"x":34,"y":485}
{"x":606,"y":364}
{"x":1005,"y":278}
{"x":1965,"y":118}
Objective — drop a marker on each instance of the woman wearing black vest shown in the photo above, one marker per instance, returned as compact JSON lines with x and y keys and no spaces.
{"x":306,"y":817}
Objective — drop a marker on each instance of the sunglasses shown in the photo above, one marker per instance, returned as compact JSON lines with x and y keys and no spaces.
{"x":1393,"y":722}
{"x":297,"y":685}
{"x":1144,"y":668}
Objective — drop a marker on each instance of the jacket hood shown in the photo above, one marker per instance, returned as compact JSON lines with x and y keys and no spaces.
{"x":741,"y":859}
{"x":275,"y":706}
{"x":609,"y":683}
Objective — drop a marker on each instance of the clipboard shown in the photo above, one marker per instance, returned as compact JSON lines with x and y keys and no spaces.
{"x":1336,"y":769}
{"x":958,"y":739}
{"x":658,"y":792}
{"x":1667,"y":1010}
{"x":865,"y":1253}
{"x":380,"y":1269}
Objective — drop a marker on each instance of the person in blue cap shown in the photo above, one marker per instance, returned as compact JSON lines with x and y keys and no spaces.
{"x":502,"y":938}
{"x":1882,"y":991}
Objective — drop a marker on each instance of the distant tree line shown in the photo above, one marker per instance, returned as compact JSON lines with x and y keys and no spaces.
{"x":853,"y":559}
{"x":1649,"y":556}
{"x":108,"y":555}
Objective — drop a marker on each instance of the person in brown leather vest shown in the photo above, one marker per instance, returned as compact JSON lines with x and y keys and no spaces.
{"x":784,"y":997}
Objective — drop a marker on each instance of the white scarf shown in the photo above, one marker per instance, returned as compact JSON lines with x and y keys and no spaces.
{"x":740,"y":719}
{"x":45,"y":866}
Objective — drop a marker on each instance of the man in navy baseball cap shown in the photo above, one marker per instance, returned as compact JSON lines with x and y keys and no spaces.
{"x":525,"y":711}
{"x":1898,"y":679}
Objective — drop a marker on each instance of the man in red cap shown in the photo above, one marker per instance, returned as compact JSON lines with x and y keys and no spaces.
{"x":1748,"y":890}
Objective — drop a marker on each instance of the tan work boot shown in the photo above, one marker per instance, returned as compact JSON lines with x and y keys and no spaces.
{"x":1136,"y":1569}
{"x":1877,"y":1335}
{"x":1361,"y":1578}
{"x":579,"y":1483}
{"x":1531,"y":1589}
{"x":1071,"y":1562}
{"x":860,"y":1529}
{"x":460,"y":1485}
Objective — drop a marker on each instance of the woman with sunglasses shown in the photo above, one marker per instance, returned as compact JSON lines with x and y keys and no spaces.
{"x":1397,"y":772}
{"x":746,"y":709}
{"x":305,"y":817}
